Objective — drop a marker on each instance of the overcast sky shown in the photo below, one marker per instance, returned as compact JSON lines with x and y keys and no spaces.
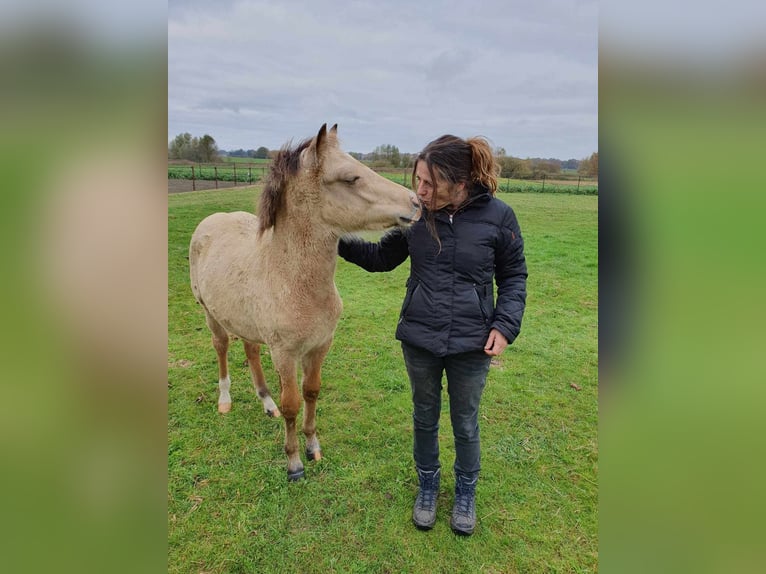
{"x":259,"y":73}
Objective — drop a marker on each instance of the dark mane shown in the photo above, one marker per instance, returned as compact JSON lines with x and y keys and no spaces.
{"x":283,"y":167}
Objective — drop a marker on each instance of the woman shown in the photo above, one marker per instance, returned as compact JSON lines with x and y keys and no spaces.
{"x":449,"y":321}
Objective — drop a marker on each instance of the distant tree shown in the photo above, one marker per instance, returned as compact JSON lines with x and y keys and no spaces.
{"x":570,"y":164}
{"x":356,"y":155}
{"x":545,"y":167}
{"x":207,"y":149}
{"x":499,"y":152}
{"x":180,"y":147}
{"x":589,"y":167}
{"x":386,"y":154}
{"x":261,"y":153}
{"x":515,"y":167}
{"x":396,"y":157}
{"x":184,"y":146}
{"x":546,"y":160}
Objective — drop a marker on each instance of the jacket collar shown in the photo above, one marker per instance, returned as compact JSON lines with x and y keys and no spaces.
{"x":472,"y":201}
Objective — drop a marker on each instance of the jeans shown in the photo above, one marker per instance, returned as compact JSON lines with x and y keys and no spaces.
{"x":466,"y":377}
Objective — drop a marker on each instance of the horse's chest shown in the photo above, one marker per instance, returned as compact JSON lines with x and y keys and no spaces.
{"x":303,"y":324}
{"x":305,"y":313}
{"x":316,"y":314}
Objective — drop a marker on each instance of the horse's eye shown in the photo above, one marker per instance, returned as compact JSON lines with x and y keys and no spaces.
{"x":352,"y":180}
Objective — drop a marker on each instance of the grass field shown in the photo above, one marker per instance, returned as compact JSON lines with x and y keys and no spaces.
{"x":230,"y":507}
{"x":251,"y":174}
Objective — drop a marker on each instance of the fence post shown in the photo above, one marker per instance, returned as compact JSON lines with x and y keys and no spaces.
{"x":543,"y":190}
{"x":250,"y":174}
{"x":578,"y":183}
{"x":235,"y":174}
{"x":215,"y":167}
{"x":194,"y":186}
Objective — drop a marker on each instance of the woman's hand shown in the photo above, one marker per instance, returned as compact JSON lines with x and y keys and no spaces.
{"x":495,"y":343}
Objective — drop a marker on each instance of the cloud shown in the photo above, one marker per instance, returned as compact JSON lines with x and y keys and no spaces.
{"x":261,"y":73}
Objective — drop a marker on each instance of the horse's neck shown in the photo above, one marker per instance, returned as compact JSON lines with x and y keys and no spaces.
{"x":307,"y":251}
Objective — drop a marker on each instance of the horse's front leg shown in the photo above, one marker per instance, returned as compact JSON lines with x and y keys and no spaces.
{"x":312,"y":370}
{"x":290,"y":403}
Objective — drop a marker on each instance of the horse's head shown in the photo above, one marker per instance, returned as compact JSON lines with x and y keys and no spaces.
{"x":323,"y":183}
{"x":351,"y":196}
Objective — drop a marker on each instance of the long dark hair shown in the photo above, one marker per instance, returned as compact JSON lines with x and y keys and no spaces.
{"x":457,"y":160}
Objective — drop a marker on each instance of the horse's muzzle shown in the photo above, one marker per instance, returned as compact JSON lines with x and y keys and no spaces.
{"x":414,"y":214}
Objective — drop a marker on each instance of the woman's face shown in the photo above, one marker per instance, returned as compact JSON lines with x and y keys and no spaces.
{"x":445,"y":194}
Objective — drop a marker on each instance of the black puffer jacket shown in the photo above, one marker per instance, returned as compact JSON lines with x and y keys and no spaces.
{"x":450,"y":306}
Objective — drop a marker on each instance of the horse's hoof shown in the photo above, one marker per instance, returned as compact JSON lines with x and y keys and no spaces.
{"x":295,"y":475}
{"x":314,"y":455}
{"x":224,"y":408}
{"x":275,"y":414}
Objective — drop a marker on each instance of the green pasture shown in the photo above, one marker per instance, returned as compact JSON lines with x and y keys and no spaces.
{"x":508,"y":185}
{"x":230,"y":507}
{"x":244,"y":173}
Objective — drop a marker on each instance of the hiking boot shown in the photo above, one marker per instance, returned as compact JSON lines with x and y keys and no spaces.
{"x":424,"y":512}
{"x":463,"y":519}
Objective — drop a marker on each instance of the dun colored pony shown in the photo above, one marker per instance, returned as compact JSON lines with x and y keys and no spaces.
{"x":270,"y":279}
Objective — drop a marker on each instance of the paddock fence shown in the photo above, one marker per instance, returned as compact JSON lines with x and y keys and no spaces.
{"x":185,"y":177}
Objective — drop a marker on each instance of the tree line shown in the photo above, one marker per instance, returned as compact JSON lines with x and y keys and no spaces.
{"x":260,"y":153}
{"x":184,"y":146}
{"x":205,"y":150}
{"x":536,"y":168}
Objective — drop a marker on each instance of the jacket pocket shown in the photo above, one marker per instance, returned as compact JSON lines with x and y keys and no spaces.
{"x":480,"y":301}
{"x":408,"y":299}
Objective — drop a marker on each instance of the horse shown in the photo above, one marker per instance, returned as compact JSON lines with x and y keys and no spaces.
{"x":270,"y":279}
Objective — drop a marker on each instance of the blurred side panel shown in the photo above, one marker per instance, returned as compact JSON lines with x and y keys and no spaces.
{"x":84,"y":283}
{"x":682,"y":136}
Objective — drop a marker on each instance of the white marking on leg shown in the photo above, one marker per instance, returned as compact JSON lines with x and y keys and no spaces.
{"x":269,"y":406}
{"x":223,"y":387}
{"x":312,"y":447}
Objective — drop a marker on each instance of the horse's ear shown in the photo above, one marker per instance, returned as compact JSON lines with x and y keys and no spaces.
{"x":321,"y":138}
{"x":318,"y":146}
{"x":333,"y":134}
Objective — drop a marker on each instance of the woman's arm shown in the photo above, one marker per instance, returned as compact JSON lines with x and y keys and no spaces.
{"x":385,"y":255}
{"x":511,"y":279}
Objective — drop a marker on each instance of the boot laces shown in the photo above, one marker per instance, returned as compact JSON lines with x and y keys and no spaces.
{"x":427,"y":497}
{"x":464,"y":502}
{"x":464,"y":496}
{"x":428,"y":488}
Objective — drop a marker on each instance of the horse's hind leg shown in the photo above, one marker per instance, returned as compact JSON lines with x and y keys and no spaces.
{"x":253,"y":352}
{"x":221,"y":345}
{"x":312,"y":370}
